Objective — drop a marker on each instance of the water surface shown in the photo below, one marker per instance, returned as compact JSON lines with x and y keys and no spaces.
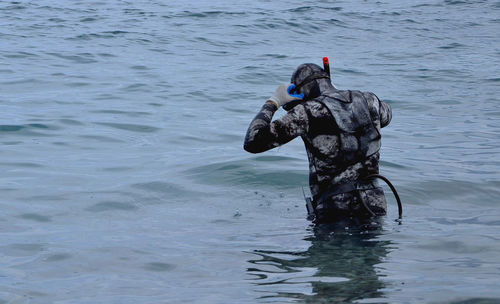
{"x":123,"y":174}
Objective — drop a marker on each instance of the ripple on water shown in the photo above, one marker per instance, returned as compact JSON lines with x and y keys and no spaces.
{"x":457,"y":2}
{"x":475,"y":220}
{"x":112,"y":206}
{"x":76,"y":84}
{"x":129,"y":127}
{"x":19,"y":55}
{"x":71,"y":122}
{"x":496,"y":79}
{"x":88,"y":37}
{"x":22,"y":165}
{"x":158,"y":267}
{"x":21,"y":250}
{"x":140,"y":67}
{"x":58,"y":257}
{"x":125,"y":113}
{"x":451,"y":46}
{"x":118,"y":169}
{"x":247,"y":173}
{"x":88,"y":19}
{"x":35,"y":217}
{"x":165,"y":188}
{"x":138,"y":87}
{"x":100,"y":138}
{"x":81,"y":58}
{"x":28,"y":129}
{"x":393,"y":165}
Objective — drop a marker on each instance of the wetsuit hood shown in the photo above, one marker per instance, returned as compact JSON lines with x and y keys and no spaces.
{"x":307,"y":78}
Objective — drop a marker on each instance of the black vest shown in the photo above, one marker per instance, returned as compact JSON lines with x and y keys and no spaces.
{"x":358,"y":135}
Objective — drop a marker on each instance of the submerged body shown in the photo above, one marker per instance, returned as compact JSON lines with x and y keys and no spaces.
{"x":331,"y":167}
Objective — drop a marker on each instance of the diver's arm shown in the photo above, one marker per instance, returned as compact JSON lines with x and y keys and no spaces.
{"x":385,"y":113}
{"x":379,"y":110}
{"x":263,"y":135}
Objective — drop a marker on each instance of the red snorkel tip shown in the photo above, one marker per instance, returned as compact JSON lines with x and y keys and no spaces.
{"x":326,"y":65}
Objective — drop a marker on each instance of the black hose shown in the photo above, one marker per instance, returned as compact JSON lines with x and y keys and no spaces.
{"x":393,"y":189}
{"x":364,"y":204}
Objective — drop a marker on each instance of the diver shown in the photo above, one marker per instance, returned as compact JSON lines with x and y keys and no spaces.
{"x":341,"y":133}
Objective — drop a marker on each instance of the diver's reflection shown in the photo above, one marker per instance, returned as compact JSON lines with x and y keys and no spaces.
{"x":339,"y":265}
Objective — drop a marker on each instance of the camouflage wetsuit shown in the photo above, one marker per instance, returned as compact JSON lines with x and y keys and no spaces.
{"x":312,"y":121}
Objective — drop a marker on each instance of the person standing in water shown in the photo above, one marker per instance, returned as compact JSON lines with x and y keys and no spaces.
{"x":341,"y":134}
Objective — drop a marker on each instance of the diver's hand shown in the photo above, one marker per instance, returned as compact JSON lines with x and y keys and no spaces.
{"x":283,"y":95}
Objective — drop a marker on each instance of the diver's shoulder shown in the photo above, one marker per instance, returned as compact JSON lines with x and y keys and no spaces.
{"x":349,"y":96}
{"x":353,"y":91}
{"x":372,"y":99}
{"x":366,"y":94}
{"x":369,"y":96}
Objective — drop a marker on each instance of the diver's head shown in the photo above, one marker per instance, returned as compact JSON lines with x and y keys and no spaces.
{"x":310,"y":79}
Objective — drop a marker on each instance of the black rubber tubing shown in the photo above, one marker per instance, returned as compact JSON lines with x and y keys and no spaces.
{"x":393,"y":189}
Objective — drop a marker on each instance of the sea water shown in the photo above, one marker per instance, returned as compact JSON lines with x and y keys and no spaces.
{"x":123,"y":174}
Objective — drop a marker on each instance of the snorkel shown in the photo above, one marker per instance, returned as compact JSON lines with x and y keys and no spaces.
{"x":295,"y":89}
{"x":326,"y":66}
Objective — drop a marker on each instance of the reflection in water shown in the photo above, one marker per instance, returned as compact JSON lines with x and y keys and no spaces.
{"x":339,"y":266}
